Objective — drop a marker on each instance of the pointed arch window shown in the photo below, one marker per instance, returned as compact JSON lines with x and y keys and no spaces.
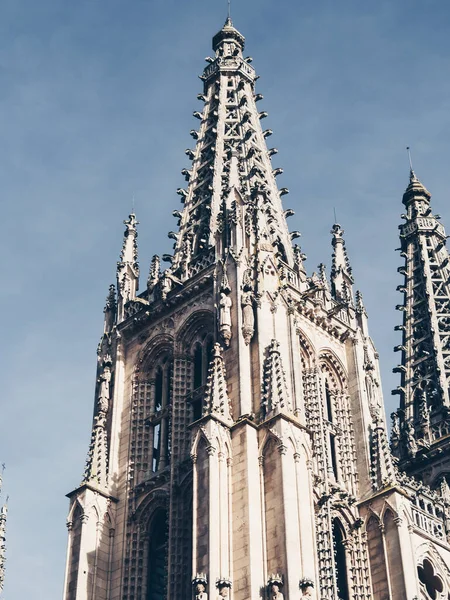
{"x":201,"y":357}
{"x":330,"y":429}
{"x":157,"y":558}
{"x":340,"y":560}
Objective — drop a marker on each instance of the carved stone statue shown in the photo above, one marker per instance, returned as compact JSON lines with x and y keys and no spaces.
{"x":225,"y":317}
{"x":274,"y":592}
{"x":248,"y":317}
{"x":395,"y":432}
{"x":200,"y":592}
{"x":411,"y":443}
{"x":104,"y":389}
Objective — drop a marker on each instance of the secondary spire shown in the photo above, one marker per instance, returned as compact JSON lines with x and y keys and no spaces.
{"x":422,"y":418}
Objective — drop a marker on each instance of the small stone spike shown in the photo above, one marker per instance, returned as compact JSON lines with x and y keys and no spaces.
{"x":275,"y":393}
{"x":216,"y":397}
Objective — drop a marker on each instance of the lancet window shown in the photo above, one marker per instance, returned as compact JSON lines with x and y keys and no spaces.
{"x":157,"y":557}
{"x":340,"y":560}
{"x":151,"y":426}
{"x":330,"y":426}
{"x":201,"y":357}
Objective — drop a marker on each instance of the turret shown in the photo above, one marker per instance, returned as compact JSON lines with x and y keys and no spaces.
{"x":422,"y":420}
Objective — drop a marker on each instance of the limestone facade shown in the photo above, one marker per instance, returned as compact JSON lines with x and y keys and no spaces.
{"x":239,"y":445}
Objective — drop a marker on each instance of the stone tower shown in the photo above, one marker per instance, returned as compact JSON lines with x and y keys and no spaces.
{"x":239,"y":445}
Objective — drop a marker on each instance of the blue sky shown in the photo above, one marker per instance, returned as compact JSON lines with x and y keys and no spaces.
{"x":96,"y":101}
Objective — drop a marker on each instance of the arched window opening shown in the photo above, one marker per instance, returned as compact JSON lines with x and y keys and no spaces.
{"x":158,"y":389}
{"x":334,"y":463}
{"x":157,"y":558}
{"x":202,"y":355}
{"x":340,"y":560}
{"x":198,"y":366}
{"x":431,"y":581}
{"x":328,"y":402}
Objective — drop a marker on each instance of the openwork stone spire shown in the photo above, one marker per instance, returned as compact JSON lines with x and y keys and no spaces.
{"x":275,"y":392}
{"x":425,"y":348}
{"x":341,"y":271}
{"x":216,"y":396}
{"x":229,"y":162}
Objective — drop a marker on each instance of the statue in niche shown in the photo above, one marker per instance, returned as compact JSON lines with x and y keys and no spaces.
{"x":411,"y":443}
{"x":225,"y":317}
{"x":307,"y":587}
{"x":248,"y":317}
{"x":168,"y":279}
{"x":223,"y":585}
{"x":274,"y":591}
{"x":395,"y":431}
{"x":104,"y":388}
{"x":200,"y":591}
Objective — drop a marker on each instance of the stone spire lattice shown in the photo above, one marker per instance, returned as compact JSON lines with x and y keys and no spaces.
{"x":425,"y":347}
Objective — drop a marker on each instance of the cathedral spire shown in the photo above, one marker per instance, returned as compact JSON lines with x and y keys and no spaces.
{"x":341,"y":271}
{"x":128,"y":267}
{"x":230,"y":161}
{"x":425,"y":347}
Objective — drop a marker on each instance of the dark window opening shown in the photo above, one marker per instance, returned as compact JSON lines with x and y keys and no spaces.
{"x":157,"y":559}
{"x":156,"y":446}
{"x":198,"y":366}
{"x":432,"y":582}
{"x":329,"y":404}
{"x":333,"y":456}
{"x":158,"y":389}
{"x":340,"y":561}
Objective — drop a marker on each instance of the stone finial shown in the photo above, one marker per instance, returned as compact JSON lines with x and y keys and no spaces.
{"x":382,"y":469}
{"x":341,"y":271}
{"x":128,"y":267}
{"x":154,"y":273}
{"x":216,"y":396}
{"x":275,"y":393}
{"x":110,"y":309}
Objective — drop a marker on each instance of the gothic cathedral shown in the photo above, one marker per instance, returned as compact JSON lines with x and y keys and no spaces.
{"x":239,"y":446}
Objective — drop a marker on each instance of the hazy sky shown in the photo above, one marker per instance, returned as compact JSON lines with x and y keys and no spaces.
{"x":96,"y":101}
